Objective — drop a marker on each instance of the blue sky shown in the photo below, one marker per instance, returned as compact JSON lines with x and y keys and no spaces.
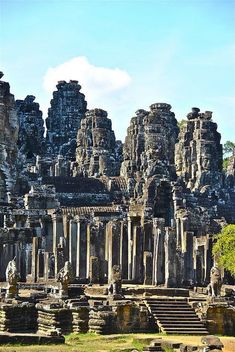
{"x":125,"y":54}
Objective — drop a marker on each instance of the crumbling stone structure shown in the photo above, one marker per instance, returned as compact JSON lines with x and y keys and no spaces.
{"x":150,"y":208}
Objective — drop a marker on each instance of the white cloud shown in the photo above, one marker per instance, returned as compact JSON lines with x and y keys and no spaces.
{"x":97,"y":82}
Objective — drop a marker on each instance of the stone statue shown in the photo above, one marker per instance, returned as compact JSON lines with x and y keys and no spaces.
{"x":215,"y":284}
{"x":115,"y":285}
{"x":12,"y":278}
{"x":65,"y":277}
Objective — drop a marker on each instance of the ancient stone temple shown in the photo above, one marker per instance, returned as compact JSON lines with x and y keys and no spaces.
{"x":97,"y":152}
{"x":97,"y":218}
{"x":8,"y":139}
{"x":31,"y":127}
{"x":68,"y":107}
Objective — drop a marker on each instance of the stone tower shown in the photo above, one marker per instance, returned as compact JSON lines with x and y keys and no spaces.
{"x":150,"y":143}
{"x":96,"y":152}
{"x":161,"y":131}
{"x":8,"y":140}
{"x":198,"y":154}
{"x":134,"y":145}
{"x":31,"y":129}
{"x":68,"y":107}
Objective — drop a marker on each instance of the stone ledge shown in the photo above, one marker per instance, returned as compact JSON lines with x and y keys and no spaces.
{"x":30,"y":339}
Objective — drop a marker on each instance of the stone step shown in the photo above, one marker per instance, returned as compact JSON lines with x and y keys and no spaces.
{"x":188,"y":332}
{"x":182,"y":325}
{"x":174,"y":312}
{"x":166,"y":303}
{"x":181,"y":322}
{"x":172,"y":309}
{"x":175,"y":317}
{"x":183,"y":304}
{"x":172,"y":317}
{"x":179,"y":329}
{"x":166,"y":299}
{"x":176,"y":320}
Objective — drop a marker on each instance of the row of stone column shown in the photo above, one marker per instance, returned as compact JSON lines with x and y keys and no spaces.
{"x":149,"y":252}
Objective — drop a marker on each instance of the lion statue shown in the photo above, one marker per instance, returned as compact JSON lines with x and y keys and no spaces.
{"x":115,"y":285}
{"x":65,"y":277}
{"x":215,"y":284}
{"x":12,"y":278}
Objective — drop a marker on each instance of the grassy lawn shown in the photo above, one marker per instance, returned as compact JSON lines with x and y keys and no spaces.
{"x":112,"y":343}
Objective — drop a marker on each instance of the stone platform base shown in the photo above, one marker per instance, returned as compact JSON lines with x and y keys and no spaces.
{"x":139,"y":290}
{"x":30,"y":339}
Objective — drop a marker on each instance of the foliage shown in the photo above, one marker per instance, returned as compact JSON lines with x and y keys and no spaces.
{"x":224,"y":248}
{"x":228,"y":148}
{"x":181,"y":123}
{"x":225,"y":164}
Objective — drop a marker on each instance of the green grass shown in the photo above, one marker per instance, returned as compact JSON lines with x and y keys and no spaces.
{"x":110,"y":343}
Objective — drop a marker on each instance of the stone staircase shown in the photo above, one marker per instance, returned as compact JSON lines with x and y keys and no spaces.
{"x":175,"y":316}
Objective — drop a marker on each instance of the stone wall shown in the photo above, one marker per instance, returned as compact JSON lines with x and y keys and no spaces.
{"x":125,"y":317}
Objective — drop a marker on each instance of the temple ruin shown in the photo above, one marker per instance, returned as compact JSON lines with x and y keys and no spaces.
{"x":77,"y":204}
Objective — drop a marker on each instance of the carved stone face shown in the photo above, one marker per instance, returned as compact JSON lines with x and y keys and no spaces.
{"x":101,"y":141}
{"x":206,"y":164}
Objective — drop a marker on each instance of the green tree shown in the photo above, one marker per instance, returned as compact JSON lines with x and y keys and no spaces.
{"x":228,"y":148}
{"x":224,"y":248}
{"x":181,"y":123}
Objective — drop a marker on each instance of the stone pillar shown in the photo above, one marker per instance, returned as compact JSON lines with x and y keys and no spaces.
{"x":66,"y":229}
{"x":148,"y":236}
{"x":58,"y":230}
{"x":34,"y":267}
{"x":158,"y":251}
{"x":137,"y":261}
{"x":28,"y":259}
{"x":124,"y":249}
{"x":40,"y":264}
{"x":170,"y":258}
{"x":184,"y":227}
{"x":208,"y":259}
{"x":81,"y":249}
{"x":178,"y":232}
{"x":46,"y":266}
{"x":96,"y":245}
{"x":188,"y":259}
{"x":94,"y":270}
{"x":73,"y":244}
{"x":148,"y":268}
{"x":48,"y":232}
{"x":113,"y":233}
{"x":130,"y":248}
{"x":88,"y":250}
